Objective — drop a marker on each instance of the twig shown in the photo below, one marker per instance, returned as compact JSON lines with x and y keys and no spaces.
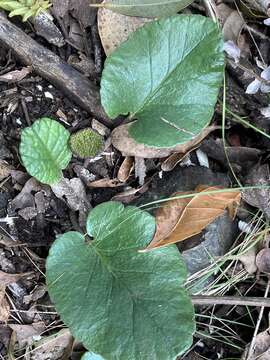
{"x":230,"y":300}
{"x":252,"y":344}
{"x":48,"y":65}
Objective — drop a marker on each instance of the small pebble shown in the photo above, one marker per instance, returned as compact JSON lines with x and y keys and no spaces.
{"x":48,"y":95}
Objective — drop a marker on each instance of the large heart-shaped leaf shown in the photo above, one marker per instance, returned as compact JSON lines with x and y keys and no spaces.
{"x":167,"y":76}
{"x":121,"y":303}
{"x":91,"y":356}
{"x":44,"y":150}
{"x":146,"y":8}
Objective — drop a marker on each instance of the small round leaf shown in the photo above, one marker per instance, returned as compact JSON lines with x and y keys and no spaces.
{"x":121,"y":303}
{"x":44,"y":150}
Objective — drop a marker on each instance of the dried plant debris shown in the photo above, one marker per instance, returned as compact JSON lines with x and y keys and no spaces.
{"x":260,"y":198}
{"x":179,"y":219}
{"x":115,"y":28}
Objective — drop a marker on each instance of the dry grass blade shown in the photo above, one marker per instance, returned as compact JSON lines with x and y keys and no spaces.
{"x":182,"y":218}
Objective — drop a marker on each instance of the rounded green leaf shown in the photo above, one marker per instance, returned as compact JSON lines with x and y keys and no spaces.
{"x":167,"y":75}
{"x":121,"y":303}
{"x":146,"y":8}
{"x":44,"y":150}
{"x":91,"y":356}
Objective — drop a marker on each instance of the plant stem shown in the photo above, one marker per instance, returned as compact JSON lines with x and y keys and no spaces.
{"x":230,"y":300}
{"x":252,"y":344}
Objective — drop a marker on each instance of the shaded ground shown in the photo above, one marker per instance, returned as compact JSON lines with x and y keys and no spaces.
{"x":36,"y":215}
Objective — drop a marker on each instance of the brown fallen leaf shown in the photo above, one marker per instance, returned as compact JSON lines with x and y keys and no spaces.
{"x":263,"y":261}
{"x":16,"y":75}
{"x":6,"y":279}
{"x":4,"y":305}
{"x":73,"y":191}
{"x":115,"y":28}
{"x":261,"y":349}
{"x":182,"y":218}
{"x":5,"y":169}
{"x":25,"y":334}
{"x":80,"y":10}
{"x":248,"y":259}
{"x":174,"y":159}
{"x":260,"y":198}
{"x":105,"y":183}
{"x":57,"y":348}
{"x":123,"y":142}
{"x":125,"y":169}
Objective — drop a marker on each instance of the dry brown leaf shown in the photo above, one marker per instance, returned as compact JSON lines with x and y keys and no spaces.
{"x":57,"y":348}
{"x":4,"y":306}
{"x":248,"y":259}
{"x":232,"y":22}
{"x":263,"y":261}
{"x":174,"y":159}
{"x":5,"y":169}
{"x":80,"y":10}
{"x":261,"y":349}
{"x":180,"y":219}
{"x":115,"y":28}
{"x":105,"y":183}
{"x":125,"y":169}
{"x":25,"y":334}
{"x":123,"y":142}
{"x":16,"y":75}
{"x":6,"y":279}
{"x":258,"y":175}
{"x":73,"y":190}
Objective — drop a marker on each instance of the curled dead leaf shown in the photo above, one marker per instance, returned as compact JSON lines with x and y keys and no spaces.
{"x":263,"y":261}
{"x":248,"y":259}
{"x":105,"y":183}
{"x":123,"y":142}
{"x":125,"y":169}
{"x":181,"y":218}
{"x":5,"y":169}
{"x":261,"y":349}
{"x":232,"y":22}
{"x":115,"y":28}
{"x":16,"y":75}
{"x":4,"y":306}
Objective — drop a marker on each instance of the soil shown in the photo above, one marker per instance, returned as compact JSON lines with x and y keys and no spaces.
{"x":26,"y":238}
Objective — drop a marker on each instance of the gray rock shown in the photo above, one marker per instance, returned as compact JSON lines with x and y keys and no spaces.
{"x":215,"y":241}
{"x":181,"y":179}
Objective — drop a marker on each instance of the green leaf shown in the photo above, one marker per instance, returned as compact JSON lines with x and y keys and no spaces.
{"x":44,"y":150}
{"x":86,"y":143}
{"x":167,"y":75}
{"x":146,"y":8}
{"x":25,"y":8}
{"x":121,"y":303}
{"x":91,"y":356}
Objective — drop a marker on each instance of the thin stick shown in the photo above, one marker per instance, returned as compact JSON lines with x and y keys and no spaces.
{"x":252,"y":344}
{"x":230,"y":300}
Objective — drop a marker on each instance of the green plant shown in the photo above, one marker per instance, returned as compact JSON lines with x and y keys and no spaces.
{"x":44,"y":150}
{"x":91,"y":356}
{"x":86,"y":143}
{"x":166,"y":76}
{"x":122,"y":303}
{"x":145,"y":8}
{"x":25,"y":8}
